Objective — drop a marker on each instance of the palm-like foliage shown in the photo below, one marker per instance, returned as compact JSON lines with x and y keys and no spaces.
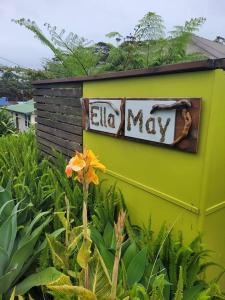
{"x":19,"y":246}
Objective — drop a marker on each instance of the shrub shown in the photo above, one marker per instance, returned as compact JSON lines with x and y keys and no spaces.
{"x":7,"y":125}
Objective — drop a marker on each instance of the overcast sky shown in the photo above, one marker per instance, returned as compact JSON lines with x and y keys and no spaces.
{"x":93,"y":19}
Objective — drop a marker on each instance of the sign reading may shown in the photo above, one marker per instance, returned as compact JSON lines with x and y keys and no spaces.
{"x":169,"y":122}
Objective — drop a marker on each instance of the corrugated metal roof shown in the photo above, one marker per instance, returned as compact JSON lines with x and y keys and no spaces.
{"x":23,"y":108}
{"x":209,"y":48}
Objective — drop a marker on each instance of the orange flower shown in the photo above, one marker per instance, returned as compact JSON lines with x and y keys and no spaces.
{"x":91,"y":176}
{"x":68,"y":171}
{"x":93,"y":161}
{"x":84,"y":164}
{"x":77,"y":162}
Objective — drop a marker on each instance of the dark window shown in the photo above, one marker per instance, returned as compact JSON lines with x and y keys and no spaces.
{"x":27,"y":120}
{"x":17,"y":121}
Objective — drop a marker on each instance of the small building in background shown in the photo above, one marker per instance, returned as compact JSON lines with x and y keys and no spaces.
{"x":23,"y":114}
{"x":210,"y":49}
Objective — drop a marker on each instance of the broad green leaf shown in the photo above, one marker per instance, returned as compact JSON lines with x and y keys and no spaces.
{"x":83,"y":255}
{"x":6,"y":209}
{"x":97,"y":237}
{"x":109,"y":236}
{"x":8,"y":231}
{"x":4,"y":259}
{"x":63,"y":219}
{"x":99,"y":277}
{"x":58,"y":251}
{"x":44,"y":277}
{"x":136,"y":267}
{"x":107,"y":256}
{"x":68,"y":290}
{"x":75,"y":236}
{"x":20,"y":257}
{"x":193,"y":292}
{"x":36,"y":219}
{"x":6,"y":280}
{"x":129,"y":254}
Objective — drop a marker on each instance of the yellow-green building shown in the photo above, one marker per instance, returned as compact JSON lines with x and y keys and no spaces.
{"x":185,"y":189}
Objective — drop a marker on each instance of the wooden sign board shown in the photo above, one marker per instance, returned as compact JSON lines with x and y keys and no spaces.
{"x":171,"y":122}
{"x":105,"y":115}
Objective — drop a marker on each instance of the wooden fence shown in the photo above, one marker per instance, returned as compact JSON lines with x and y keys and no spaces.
{"x":58,"y":117}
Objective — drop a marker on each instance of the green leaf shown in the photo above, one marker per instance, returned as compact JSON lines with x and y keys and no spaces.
{"x":42,"y":278}
{"x":69,"y":290}
{"x":136,"y":267}
{"x":19,"y":259}
{"x":107,"y":256}
{"x":12,"y":297}
{"x":58,"y":252}
{"x":129,"y":254}
{"x":109,"y":236}
{"x":8,"y":231}
{"x":83,"y":255}
{"x":4,"y":259}
{"x":36,"y":219}
{"x":75,"y":236}
{"x":6,"y":202}
{"x":193,"y":292}
{"x":180,"y":286}
{"x":99,"y":277}
{"x":6,"y":280}
{"x":63,"y":219}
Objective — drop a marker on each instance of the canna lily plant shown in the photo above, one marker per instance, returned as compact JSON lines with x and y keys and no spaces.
{"x":85,"y":165}
{"x":95,"y":281}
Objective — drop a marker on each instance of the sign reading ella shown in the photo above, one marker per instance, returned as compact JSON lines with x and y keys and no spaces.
{"x":105,"y":115}
{"x":172,"y":122}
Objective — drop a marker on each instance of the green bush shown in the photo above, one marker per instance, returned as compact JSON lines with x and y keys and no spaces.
{"x":7,"y":125}
{"x":19,"y":245}
{"x":152,"y":266}
{"x":35,"y":179}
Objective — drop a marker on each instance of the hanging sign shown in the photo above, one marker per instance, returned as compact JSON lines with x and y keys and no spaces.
{"x":166,"y":122}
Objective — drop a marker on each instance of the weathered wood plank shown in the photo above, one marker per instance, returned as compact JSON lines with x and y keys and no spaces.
{"x":59,"y":148}
{"x":72,"y":102}
{"x":50,"y":153}
{"x":58,"y":109}
{"x":46,"y":150}
{"x":57,"y":92}
{"x":58,"y":141}
{"x":60,"y":133}
{"x":74,"y":120}
{"x":59,"y":125}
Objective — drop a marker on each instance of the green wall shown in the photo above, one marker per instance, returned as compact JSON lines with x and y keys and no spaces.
{"x":170,"y":185}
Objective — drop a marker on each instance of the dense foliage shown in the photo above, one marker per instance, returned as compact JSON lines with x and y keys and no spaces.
{"x":148,"y":45}
{"x":7,"y":125}
{"x":150,"y":266}
{"x":20,"y":241}
{"x":16,"y":82}
{"x":35,"y":180}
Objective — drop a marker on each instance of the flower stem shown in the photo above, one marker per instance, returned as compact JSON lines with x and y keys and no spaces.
{"x":85,"y":231}
{"x":119,"y":227}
